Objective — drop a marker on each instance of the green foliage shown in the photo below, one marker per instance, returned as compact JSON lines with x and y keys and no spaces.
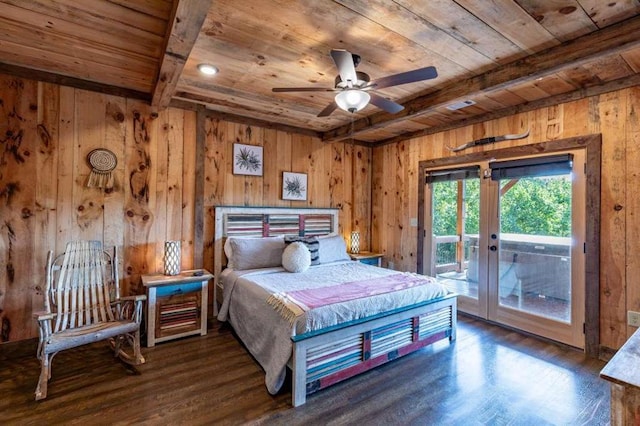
{"x":537,"y":206}
{"x":445,"y":210}
{"x":445,"y":196}
{"x":445,"y":199}
{"x":533,"y":206}
{"x":472,"y":206}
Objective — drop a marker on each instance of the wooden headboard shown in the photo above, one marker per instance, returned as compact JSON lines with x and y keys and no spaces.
{"x":266,"y":222}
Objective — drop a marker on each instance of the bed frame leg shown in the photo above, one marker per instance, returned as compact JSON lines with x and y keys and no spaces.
{"x":299,"y":373}
{"x":454,"y":321}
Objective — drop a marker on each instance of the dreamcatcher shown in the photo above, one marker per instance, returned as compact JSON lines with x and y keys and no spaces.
{"x":103,"y":163}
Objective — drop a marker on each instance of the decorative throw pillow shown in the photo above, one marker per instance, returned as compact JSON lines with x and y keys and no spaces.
{"x":255,"y":253}
{"x":296,"y":257}
{"x":311,"y":242}
{"x":332,"y":249}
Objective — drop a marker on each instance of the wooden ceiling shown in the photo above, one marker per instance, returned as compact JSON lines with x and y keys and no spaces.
{"x":505,"y":55}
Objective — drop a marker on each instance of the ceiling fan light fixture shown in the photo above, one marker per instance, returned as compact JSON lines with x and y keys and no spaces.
{"x":207,"y":69}
{"x":352,"y":100}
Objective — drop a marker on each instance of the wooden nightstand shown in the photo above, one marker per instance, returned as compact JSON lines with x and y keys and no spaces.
{"x":176,"y":305}
{"x":368,"y":258}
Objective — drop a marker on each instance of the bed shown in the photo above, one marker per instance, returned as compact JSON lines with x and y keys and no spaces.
{"x":316,"y":322}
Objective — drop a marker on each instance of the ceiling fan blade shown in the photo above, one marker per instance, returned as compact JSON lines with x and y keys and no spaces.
{"x":385,"y":104}
{"x":328,"y":110}
{"x":405,"y":77}
{"x":303,"y":89}
{"x":344,"y":63}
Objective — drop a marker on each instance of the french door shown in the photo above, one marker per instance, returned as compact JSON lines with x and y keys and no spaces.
{"x":508,"y":237}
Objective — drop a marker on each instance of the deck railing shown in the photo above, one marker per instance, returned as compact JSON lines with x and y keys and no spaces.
{"x":447,"y":255}
{"x":540,"y":264}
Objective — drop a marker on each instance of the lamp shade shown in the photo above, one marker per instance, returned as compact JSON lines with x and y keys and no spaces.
{"x":352,"y":100}
{"x":171,"y":257}
{"x":355,"y":242}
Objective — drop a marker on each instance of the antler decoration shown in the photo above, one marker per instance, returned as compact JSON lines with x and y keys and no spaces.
{"x":491,"y":139}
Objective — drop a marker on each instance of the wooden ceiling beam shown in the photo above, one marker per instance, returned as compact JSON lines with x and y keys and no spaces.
{"x":186,"y":20}
{"x":247,"y":115}
{"x":611,"y":40}
{"x":611,"y":86}
{"x":190,"y":104}
{"x":262,"y":123}
{"x":78,"y":83}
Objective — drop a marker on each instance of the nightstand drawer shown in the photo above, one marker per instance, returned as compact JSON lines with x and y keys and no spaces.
{"x":368,"y":258}
{"x":371,"y":261}
{"x":172,"y":290}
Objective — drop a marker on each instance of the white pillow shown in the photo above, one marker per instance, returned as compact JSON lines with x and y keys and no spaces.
{"x":311,"y":243}
{"x":332,"y":249}
{"x":255,"y":253}
{"x":296,"y":257}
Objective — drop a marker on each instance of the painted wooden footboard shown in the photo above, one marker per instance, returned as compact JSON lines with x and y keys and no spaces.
{"x":322,"y":359}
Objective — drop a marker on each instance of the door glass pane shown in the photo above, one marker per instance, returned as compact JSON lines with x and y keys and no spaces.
{"x":456,"y":213}
{"x":535,"y":245}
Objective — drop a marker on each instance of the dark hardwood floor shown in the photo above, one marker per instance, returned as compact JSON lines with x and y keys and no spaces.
{"x":489,"y":376}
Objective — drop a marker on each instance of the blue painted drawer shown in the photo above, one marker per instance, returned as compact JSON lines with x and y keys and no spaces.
{"x":172,"y":290}
{"x":370,"y":261}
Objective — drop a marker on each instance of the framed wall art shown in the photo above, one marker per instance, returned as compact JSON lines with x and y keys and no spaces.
{"x":247,"y":160}
{"x":294,"y":186}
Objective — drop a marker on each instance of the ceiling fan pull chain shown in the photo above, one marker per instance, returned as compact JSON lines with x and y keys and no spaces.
{"x":352,"y":141}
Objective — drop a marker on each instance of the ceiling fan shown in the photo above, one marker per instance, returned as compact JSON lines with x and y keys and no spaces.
{"x":355,"y":89}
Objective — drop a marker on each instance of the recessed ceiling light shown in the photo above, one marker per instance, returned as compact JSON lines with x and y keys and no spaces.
{"x":207,"y":69}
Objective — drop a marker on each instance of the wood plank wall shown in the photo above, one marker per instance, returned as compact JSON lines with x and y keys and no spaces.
{"x":614,"y":115}
{"x":46,"y":132}
{"x":338,"y":175}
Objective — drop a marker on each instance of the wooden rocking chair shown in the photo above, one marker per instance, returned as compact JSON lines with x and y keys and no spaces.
{"x":82,"y":305}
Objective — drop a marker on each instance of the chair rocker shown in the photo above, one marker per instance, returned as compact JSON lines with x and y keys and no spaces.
{"x":82,"y":305}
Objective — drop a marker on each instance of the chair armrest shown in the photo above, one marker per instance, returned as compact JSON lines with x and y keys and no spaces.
{"x":130,"y":307}
{"x":135,"y":298}
{"x":43,"y":316}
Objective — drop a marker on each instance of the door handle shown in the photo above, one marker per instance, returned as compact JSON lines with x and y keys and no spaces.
{"x":493,"y":248}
